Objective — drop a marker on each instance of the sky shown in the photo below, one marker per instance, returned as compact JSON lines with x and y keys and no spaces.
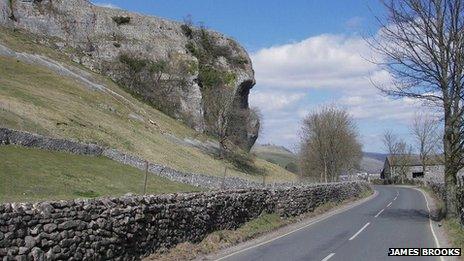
{"x":306,"y":54}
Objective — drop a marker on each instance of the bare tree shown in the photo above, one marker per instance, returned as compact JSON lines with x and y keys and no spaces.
{"x":329,"y":144}
{"x":424,"y":129}
{"x":390,"y":142}
{"x":422,"y":46}
{"x":399,"y":155}
{"x":402,"y":159}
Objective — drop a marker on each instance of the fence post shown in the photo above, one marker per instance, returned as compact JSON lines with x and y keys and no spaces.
{"x":146,"y":177}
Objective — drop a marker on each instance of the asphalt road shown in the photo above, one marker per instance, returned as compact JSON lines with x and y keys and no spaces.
{"x":396,"y":217}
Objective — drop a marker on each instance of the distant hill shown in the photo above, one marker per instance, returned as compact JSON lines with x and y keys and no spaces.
{"x":278,"y":155}
{"x":371,"y":162}
{"x":375,"y":155}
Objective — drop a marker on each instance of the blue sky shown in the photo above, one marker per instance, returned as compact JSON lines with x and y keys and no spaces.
{"x":305,"y":54}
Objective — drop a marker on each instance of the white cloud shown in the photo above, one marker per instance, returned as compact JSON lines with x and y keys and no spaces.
{"x":272,"y":101}
{"x":336,"y":65}
{"x":106,"y":5}
{"x":324,"y":61}
{"x":380,"y":107}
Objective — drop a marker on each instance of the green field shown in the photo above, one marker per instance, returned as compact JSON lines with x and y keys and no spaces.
{"x":33,"y":174}
{"x":278,"y":155}
{"x":37,"y":99}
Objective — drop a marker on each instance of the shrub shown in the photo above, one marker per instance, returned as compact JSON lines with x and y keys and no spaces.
{"x":210,"y":77}
{"x":11,"y":6}
{"x":120,"y":20}
{"x":187,"y":30}
{"x":238,"y":60}
{"x":244,"y":162}
{"x":158,"y":66}
{"x":292,"y":167}
{"x":379,"y":181}
{"x":136,"y":65}
{"x":190,"y":47}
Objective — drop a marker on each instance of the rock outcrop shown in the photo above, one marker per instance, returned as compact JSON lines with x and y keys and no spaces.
{"x":187,"y":72}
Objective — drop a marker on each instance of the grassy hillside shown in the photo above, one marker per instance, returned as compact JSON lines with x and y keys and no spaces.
{"x":37,"y":99}
{"x":32,"y":174}
{"x":370,"y":162}
{"x":276,"y":154}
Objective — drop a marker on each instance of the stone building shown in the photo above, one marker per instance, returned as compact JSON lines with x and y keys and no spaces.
{"x":411,"y":165}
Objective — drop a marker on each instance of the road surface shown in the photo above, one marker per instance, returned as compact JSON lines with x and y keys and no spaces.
{"x":396,"y":217}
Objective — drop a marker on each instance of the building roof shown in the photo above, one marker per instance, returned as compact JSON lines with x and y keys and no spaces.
{"x":414,"y":160}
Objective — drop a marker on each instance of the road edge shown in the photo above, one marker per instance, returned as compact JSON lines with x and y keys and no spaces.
{"x":439,"y":233}
{"x":283,"y":231}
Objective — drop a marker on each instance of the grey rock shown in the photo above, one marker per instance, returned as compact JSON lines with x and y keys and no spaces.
{"x":30,"y":242}
{"x":21,"y":258}
{"x":23,"y":250}
{"x":50,"y":227}
{"x":98,"y":42}
{"x":69,"y":224}
{"x":38,"y":254}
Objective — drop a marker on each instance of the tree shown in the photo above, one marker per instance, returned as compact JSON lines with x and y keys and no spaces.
{"x":399,"y":155}
{"x":390,"y":142}
{"x":424,"y":129}
{"x":403,"y":157}
{"x":329,"y":144}
{"x":421,"y":44}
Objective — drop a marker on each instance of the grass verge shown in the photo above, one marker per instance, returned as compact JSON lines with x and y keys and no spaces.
{"x":455,"y":231}
{"x":222,"y":239}
{"x":452,"y":226}
{"x":33,"y":175}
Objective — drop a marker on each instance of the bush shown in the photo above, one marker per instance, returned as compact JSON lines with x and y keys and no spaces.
{"x":135,"y":65}
{"x":187,"y":30}
{"x":191,"y":48}
{"x":380,"y":182}
{"x":238,"y":60}
{"x":120,"y":20}
{"x":292,"y":167}
{"x":210,"y":77}
{"x":244,"y":162}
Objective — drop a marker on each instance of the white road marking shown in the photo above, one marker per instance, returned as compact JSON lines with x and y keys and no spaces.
{"x":328,"y":257}
{"x":430,"y":223}
{"x":359,"y":232}
{"x":389,"y":204}
{"x":336,"y":212}
{"x":380,"y":212}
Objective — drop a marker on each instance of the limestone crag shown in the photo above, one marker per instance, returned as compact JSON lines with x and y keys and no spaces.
{"x":171,"y":65}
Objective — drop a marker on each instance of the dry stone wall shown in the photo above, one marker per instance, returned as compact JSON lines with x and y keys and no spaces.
{"x":439,"y":190}
{"x":26,"y":139}
{"x":130,"y":227}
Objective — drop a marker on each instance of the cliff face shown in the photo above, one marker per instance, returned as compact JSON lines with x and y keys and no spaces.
{"x":192,"y":74}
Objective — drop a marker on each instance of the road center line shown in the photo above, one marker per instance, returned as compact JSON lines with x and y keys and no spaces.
{"x":316,"y":220}
{"x":359,"y":232}
{"x":328,"y":257}
{"x":389,"y":204}
{"x":380,"y":212}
